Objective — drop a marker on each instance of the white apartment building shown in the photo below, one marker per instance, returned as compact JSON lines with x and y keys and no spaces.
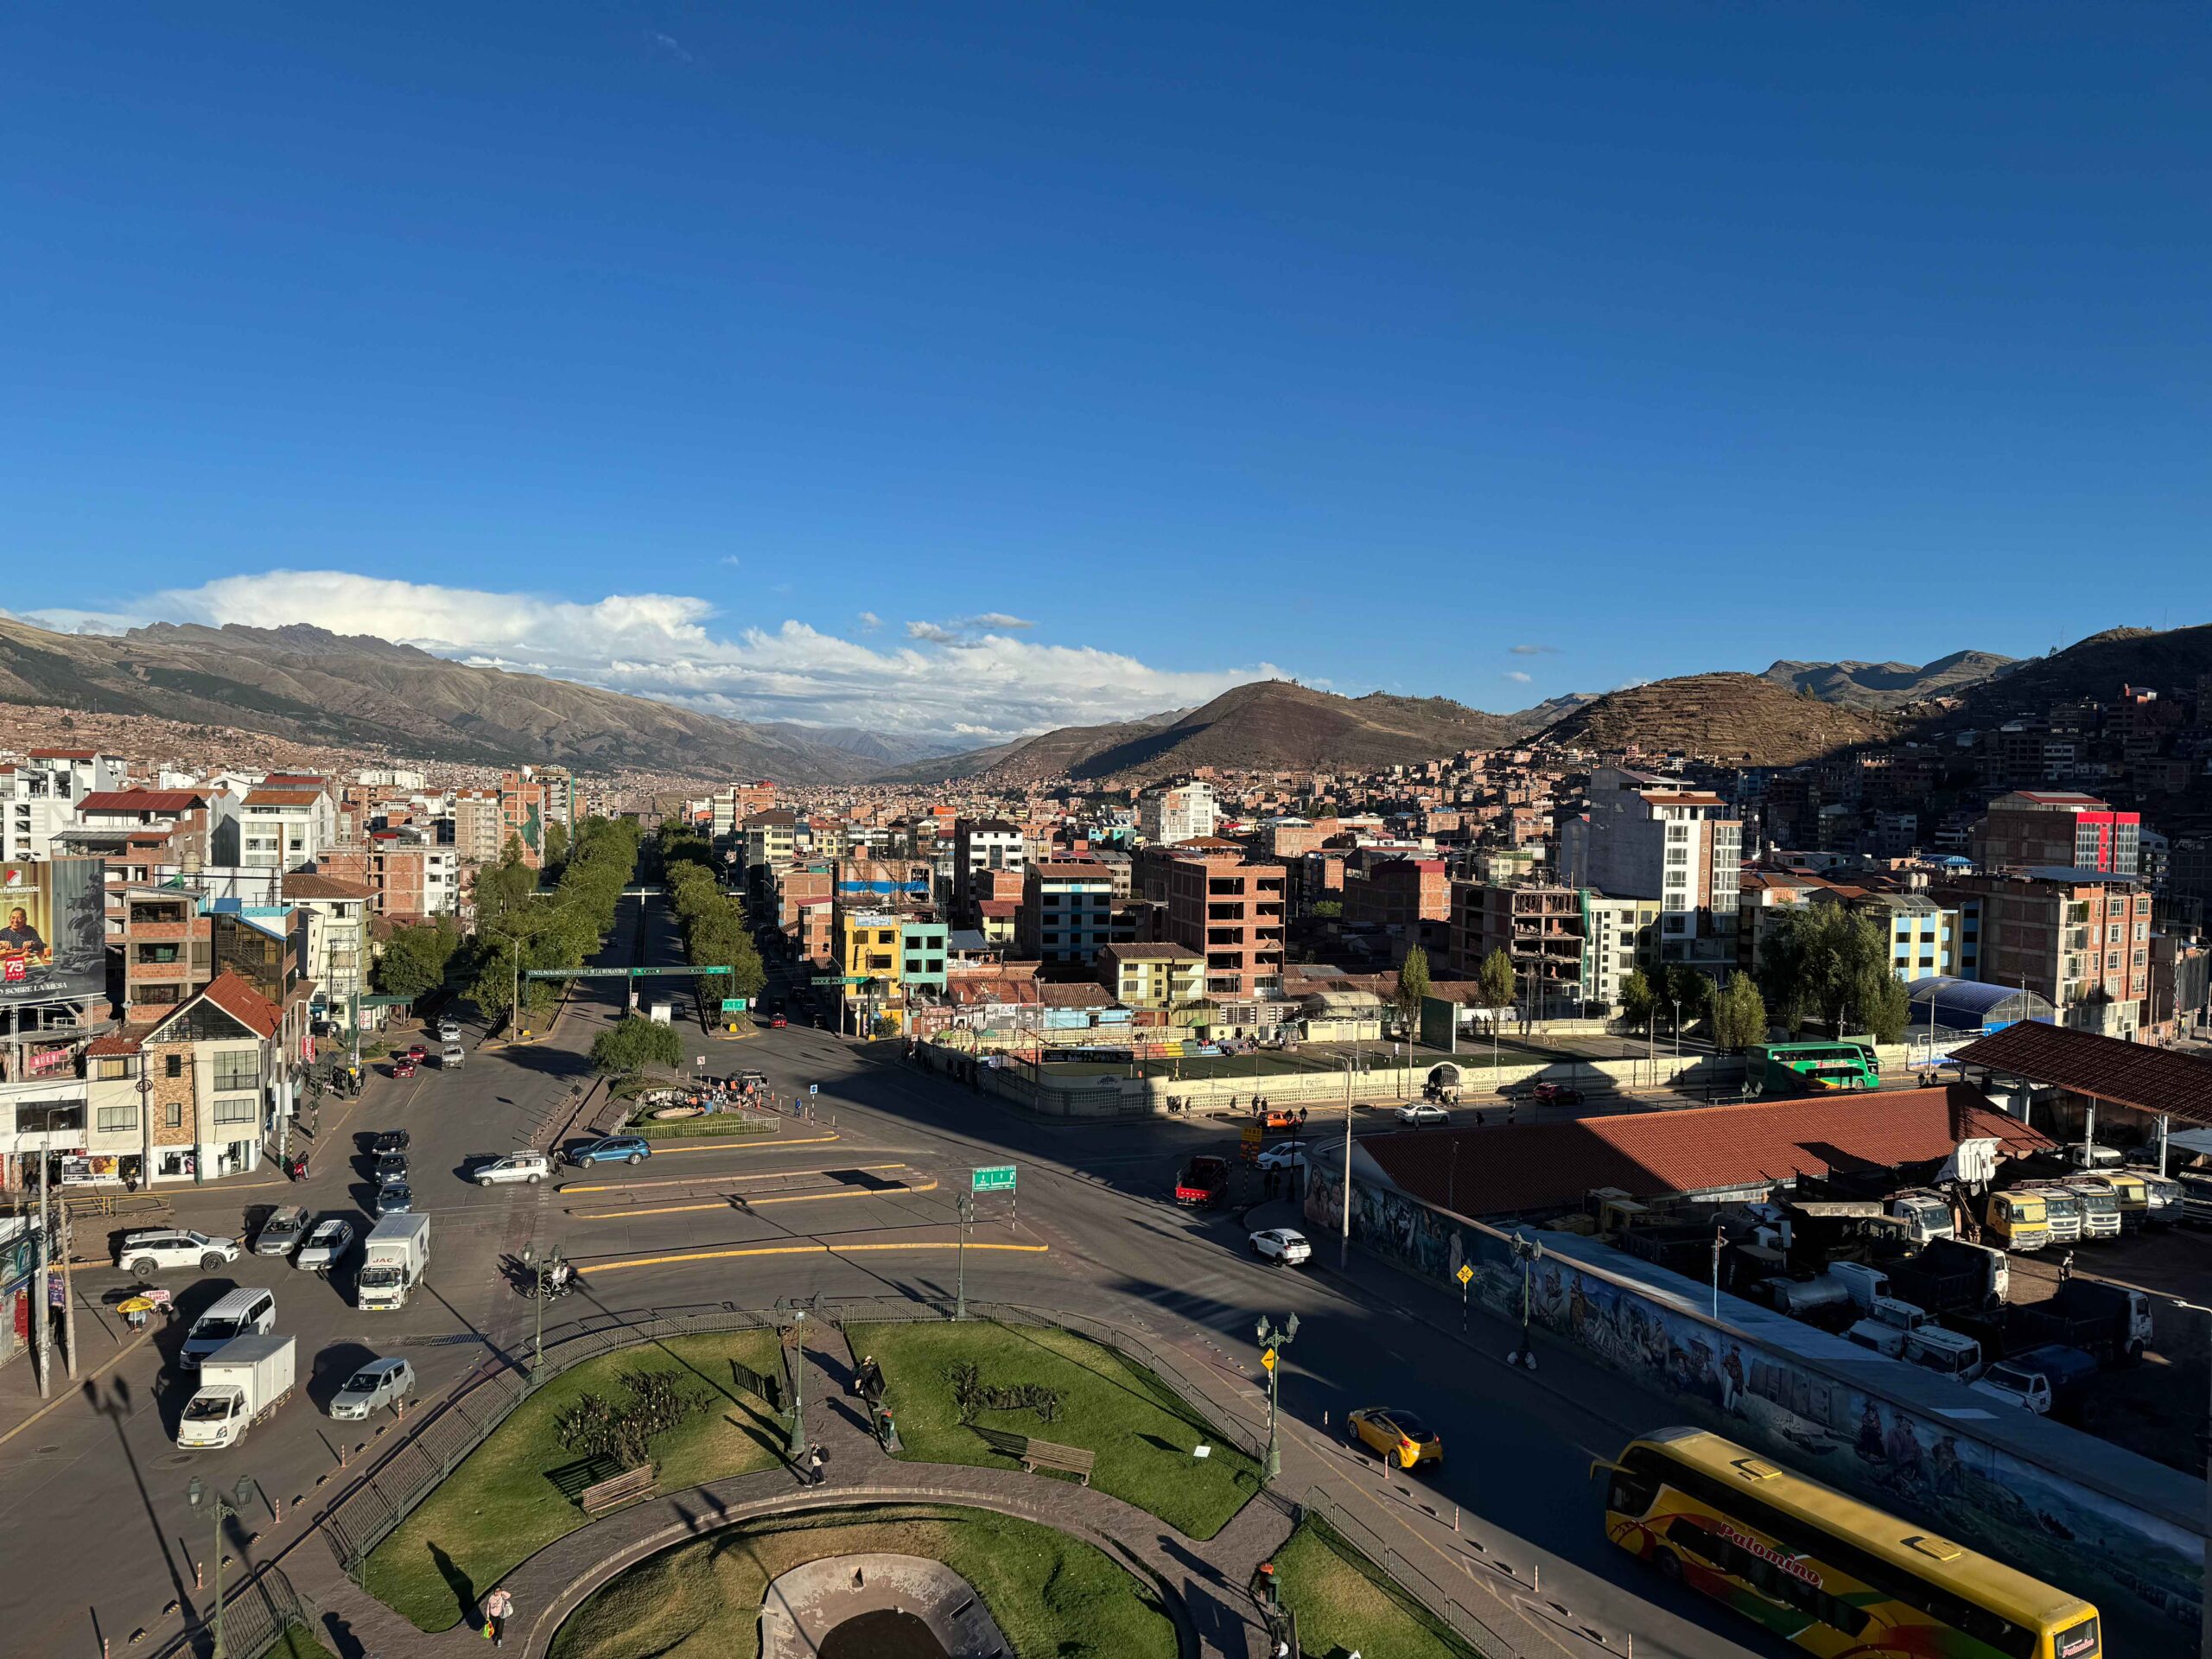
{"x":1647,"y":836}
{"x":283,"y":827}
{"x":39,"y":795}
{"x":1184,"y":813}
{"x":981,"y":844}
{"x":1612,"y":947}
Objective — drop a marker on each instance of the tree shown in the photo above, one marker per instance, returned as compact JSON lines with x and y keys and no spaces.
{"x":415,"y":958}
{"x":1413,"y":986}
{"x":1639,"y":999}
{"x":1497,"y":980}
{"x":1738,"y":1014}
{"x":1823,"y":961}
{"x":628,"y":1048}
{"x":1884,"y":1006}
{"x":556,"y":845}
{"x":1328,"y":909}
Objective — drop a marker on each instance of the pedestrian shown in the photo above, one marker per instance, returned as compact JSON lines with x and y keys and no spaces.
{"x":499,"y":1608}
{"x":816,"y":1472}
{"x":2065,"y":1267}
{"x":1478,"y":1120}
{"x":1511,"y":1108}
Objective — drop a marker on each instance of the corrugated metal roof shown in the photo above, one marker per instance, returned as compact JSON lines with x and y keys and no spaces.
{"x":2105,"y":1068}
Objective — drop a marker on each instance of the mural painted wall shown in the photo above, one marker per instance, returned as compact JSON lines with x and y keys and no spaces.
{"x":1860,"y":1442}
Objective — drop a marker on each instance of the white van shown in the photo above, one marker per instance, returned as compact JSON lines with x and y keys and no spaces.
{"x":235,"y":1313}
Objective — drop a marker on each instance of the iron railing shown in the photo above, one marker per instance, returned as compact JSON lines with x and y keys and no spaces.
{"x":256,"y":1615}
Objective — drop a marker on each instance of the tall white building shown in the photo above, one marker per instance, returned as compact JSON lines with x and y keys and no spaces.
{"x":1646,"y":836}
{"x":1184,"y":813}
{"x":39,"y":797}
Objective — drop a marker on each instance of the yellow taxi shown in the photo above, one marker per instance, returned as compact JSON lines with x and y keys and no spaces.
{"x":1398,"y":1435}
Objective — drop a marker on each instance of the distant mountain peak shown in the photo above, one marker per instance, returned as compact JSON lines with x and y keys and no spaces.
{"x":1888,"y":685}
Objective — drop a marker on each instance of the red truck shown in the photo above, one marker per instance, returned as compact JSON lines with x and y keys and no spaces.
{"x":1204,"y":1181}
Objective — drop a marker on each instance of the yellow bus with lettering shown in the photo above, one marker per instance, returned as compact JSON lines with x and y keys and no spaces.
{"x":1833,"y":1575}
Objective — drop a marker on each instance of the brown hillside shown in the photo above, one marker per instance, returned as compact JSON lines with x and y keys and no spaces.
{"x":1740,"y":717}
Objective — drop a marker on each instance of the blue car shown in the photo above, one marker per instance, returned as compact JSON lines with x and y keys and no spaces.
{"x":614,"y":1149}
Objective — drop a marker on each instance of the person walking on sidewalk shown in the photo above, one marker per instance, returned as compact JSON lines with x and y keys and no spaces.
{"x":815,"y":1473}
{"x":499,"y":1608}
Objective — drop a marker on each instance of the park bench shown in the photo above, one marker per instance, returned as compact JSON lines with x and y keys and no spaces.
{"x":610,"y":1494}
{"x":1061,"y":1460}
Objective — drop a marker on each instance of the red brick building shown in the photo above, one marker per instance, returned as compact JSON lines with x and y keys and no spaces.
{"x":1231,"y":912}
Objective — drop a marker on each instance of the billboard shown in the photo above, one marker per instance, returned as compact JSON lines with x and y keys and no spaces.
{"x":52,"y":931}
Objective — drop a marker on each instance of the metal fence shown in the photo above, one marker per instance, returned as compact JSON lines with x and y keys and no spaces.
{"x":256,"y":1615}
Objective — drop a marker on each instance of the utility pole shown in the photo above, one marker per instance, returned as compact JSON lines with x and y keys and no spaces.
{"x":68,"y":1296}
{"x":1272,"y":1339}
{"x":43,"y":1311}
{"x":966,"y":1205}
{"x":1528,"y":1252}
{"x":1344,"y":1239}
{"x":795,"y":1352}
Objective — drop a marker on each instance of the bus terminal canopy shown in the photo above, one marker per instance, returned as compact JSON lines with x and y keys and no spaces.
{"x":2160,"y":1081}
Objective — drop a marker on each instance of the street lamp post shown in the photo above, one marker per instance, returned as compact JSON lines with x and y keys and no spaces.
{"x":1273,"y":1338}
{"x":1343,"y":1238}
{"x":198,"y":1494}
{"x":545,"y":1269}
{"x":1678,"y":1025}
{"x":966,"y":1205}
{"x":795,"y":1348}
{"x":1528,"y":1252}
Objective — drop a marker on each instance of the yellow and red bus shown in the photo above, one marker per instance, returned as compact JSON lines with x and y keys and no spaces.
{"x":1833,"y":1575}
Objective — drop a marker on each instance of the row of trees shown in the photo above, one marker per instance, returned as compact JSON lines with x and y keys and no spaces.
{"x":716,"y":932}
{"x":1824,"y":963}
{"x":521,"y":926}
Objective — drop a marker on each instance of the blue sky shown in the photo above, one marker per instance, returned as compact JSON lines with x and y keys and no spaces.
{"x":785,"y":361}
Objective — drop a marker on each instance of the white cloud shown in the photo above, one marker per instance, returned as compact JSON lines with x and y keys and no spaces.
{"x":1000,"y":620}
{"x":870,"y":621}
{"x":962,"y":630}
{"x":980,"y":687}
{"x":1533,"y":651}
{"x":732,"y":561}
{"x":1517,"y":677}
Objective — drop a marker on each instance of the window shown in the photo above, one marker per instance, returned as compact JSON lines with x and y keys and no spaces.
{"x":234,"y":1109}
{"x":117,"y":1120}
{"x":237,"y":1068}
{"x":172,"y":1064}
{"x":173,"y":1114}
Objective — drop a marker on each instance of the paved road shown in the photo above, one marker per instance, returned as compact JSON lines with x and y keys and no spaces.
{"x":858,"y":1202}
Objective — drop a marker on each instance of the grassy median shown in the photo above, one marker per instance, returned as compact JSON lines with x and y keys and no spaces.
{"x":501,"y":1505}
{"x":1142,"y":1431}
{"x":727,"y":1125}
{"x":1345,"y":1603}
{"x":1051,"y":1594}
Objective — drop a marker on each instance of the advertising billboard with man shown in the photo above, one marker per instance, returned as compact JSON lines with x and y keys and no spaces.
{"x":52,"y":931}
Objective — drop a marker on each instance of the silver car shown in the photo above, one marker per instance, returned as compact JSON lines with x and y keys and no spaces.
{"x":379,"y":1383}
{"x":327,"y":1245}
{"x":531,"y":1167}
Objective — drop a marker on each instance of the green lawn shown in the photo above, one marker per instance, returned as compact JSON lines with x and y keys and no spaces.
{"x":1346,"y":1604}
{"x":499,"y":1507}
{"x":1053,"y":1596}
{"x":1142,"y":1429}
{"x":719,"y":1125}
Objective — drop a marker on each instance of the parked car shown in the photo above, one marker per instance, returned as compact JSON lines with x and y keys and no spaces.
{"x":379,"y":1383}
{"x":283,"y":1228}
{"x":1284,"y":1154}
{"x":1397,"y":1435}
{"x":1555,"y":1094}
{"x":1420,"y":1113}
{"x":1281,"y":1117}
{"x":327,"y":1245}
{"x":613,"y":1149}
{"x":1285,"y":1246}
{"x":174,"y":1247}
{"x":528,"y":1166}
{"x":394,"y":1198}
{"x":391,"y":1141}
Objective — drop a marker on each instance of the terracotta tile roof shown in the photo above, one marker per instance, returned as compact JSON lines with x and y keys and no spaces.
{"x":65,"y":755}
{"x":1528,"y":1168}
{"x":1070,"y":870}
{"x":243,"y":1003}
{"x":283,"y":797}
{"x":1153,"y":953}
{"x":115,"y":1042}
{"x":2129,"y":1074}
{"x":1083,"y":994}
{"x":311,"y":884}
{"x":171,"y":801}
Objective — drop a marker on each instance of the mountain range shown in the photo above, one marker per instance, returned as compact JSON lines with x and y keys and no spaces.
{"x":358,"y":691}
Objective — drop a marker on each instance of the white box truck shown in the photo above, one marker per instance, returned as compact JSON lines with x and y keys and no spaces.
{"x":397,"y":1255}
{"x":240,"y":1384}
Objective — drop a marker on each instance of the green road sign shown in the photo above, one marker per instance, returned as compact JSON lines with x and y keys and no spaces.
{"x":997,"y":1178}
{"x":840,"y":979}
{"x":734,"y":1004}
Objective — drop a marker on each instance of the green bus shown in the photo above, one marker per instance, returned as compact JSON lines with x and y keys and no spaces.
{"x":1784,"y":1070}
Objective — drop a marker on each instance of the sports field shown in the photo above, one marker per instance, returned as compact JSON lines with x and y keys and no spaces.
{"x":1472,"y":1060}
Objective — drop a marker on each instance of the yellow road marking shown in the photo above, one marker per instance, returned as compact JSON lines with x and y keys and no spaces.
{"x":755,"y":1145}
{"x":694,"y":1180}
{"x":734,"y":1198}
{"x":803,"y":1249}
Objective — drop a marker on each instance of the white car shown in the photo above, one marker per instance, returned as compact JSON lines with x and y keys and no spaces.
{"x":530,"y":1166}
{"x":1415,"y":1113}
{"x":327,"y":1245}
{"x":451,"y":1056}
{"x":174,"y":1247}
{"x":448,"y":1031}
{"x":1284,"y":1154}
{"x":1285,"y":1246}
{"x":379,"y":1383}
